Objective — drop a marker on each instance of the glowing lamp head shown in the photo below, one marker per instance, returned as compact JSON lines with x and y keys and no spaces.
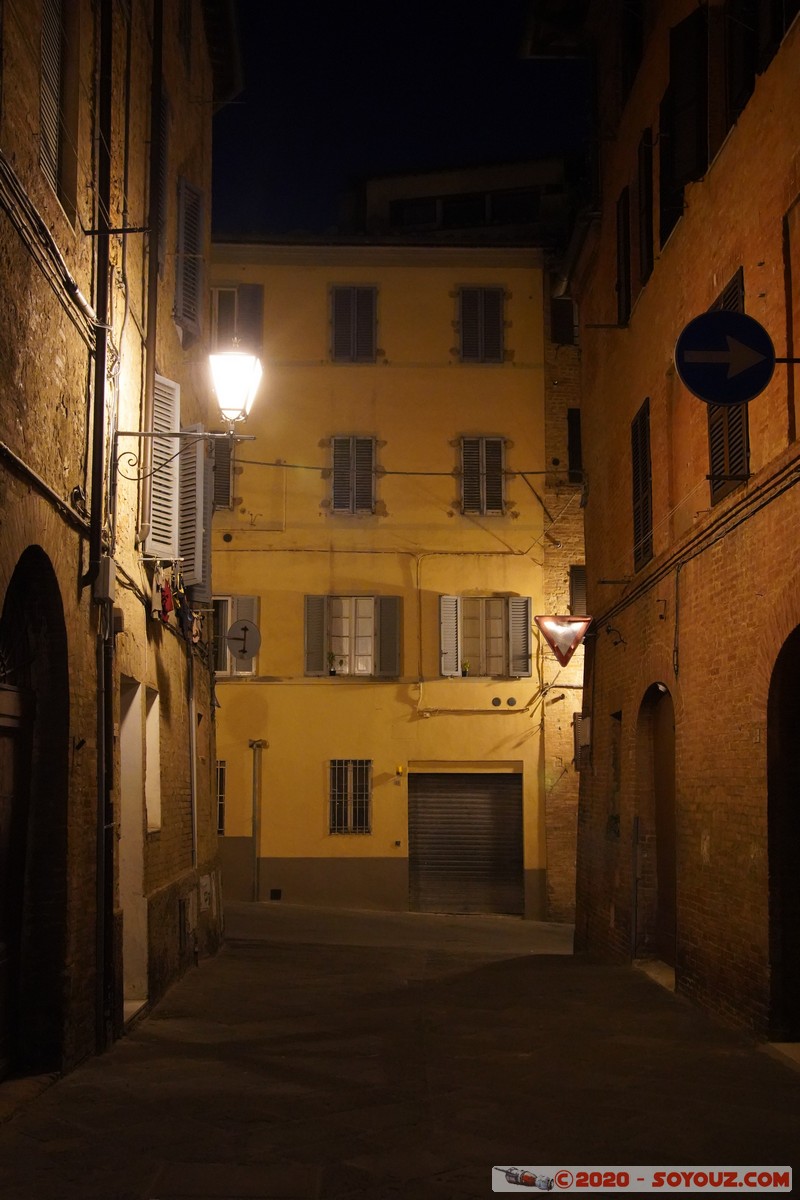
{"x":236,"y":377}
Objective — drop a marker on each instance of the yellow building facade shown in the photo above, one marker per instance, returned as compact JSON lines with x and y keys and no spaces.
{"x":384,"y":533}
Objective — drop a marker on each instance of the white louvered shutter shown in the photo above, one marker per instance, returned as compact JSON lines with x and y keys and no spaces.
{"x":519,"y":636}
{"x":188,"y":278}
{"x":190,"y":517}
{"x":315,"y":635}
{"x":50,"y":93}
{"x":162,"y":541}
{"x":449,"y":626}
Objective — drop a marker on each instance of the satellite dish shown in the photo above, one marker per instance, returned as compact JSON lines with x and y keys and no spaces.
{"x":243,"y":640}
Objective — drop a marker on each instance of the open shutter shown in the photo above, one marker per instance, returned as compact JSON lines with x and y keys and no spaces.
{"x":388,"y":616}
{"x":450,"y":631}
{"x":577,"y":591}
{"x":316,"y":608}
{"x":188,"y":279}
{"x":363,"y":475}
{"x":471,"y":475}
{"x":492,"y":299}
{"x":342,"y":491}
{"x":519,"y":635}
{"x":162,"y":541}
{"x":190,"y":518}
{"x":244,"y":608}
{"x":200,"y":594}
{"x":493,"y":475}
{"x":50,"y":93}
{"x":223,"y":472}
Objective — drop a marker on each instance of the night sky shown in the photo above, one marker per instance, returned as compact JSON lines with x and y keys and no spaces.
{"x":335,"y":92}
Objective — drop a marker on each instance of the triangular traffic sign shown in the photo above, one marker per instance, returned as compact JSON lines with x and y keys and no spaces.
{"x":563,"y":634}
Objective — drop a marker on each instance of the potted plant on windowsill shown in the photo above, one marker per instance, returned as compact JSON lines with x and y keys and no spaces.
{"x":465,"y":667}
{"x":331,"y":663}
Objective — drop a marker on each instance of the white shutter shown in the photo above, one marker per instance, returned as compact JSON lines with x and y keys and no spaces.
{"x":519,"y":636}
{"x":162,"y":541}
{"x":190,"y":518}
{"x":201,"y":592}
{"x":449,"y":623}
{"x":188,"y":276}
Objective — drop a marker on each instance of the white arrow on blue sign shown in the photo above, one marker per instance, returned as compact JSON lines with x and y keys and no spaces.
{"x":725,"y":357}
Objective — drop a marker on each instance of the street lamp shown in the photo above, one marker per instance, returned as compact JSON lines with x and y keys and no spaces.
{"x":235,"y":377}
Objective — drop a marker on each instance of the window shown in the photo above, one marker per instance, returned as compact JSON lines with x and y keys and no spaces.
{"x":728,"y":441}
{"x":188,"y":271}
{"x":632,"y":42}
{"x":492,"y":634}
{"x":683,"y":137}
{"x":624,"y":257}
{"x":574,"y":450}
{"x":481,"y":324}
{"x":350,"y":799}
{"x":562,"y":320}
{"x":482,"y":475}
{"x":741,"y":51}
{"x":237,"y":317}
{"x":773,"y":20}
{"x":58,"y":101}
{"x":222,"y":773}
{"x":196,"y":475}
{"x":578,"y":605}
{"x":354,"y":324}
{"x":233,"y":660}
{"x":645,"y":199}
{"x":353,"y":635}
{"x":642,"y":487}
{"x":353,"y":480}
{"x":162,"y":541}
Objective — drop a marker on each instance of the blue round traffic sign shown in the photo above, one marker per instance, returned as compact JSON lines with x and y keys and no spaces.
{"x":725,"y":357}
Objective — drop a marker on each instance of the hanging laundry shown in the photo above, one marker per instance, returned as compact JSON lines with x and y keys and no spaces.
{"x":155,"y":597}
{"x":167,"y":605}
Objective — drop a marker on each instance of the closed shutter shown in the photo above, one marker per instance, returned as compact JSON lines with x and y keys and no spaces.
{"x":315,"y":641}
{"x":245,"y":608}
{"x":481,"y":324}
{"x":492,"y":325}
{"x":642,"y":487}
{"x":493,"y":476}
{"x":519,"y":636}
{"x":577,"y":591}
{"x":449,"y":626}
{"x":728,"y":441}
{"x":363,"y":475}
{"x":190,"y":519}
{"x":341,"y":475}
{"x":353,"y":313}
{"x":469,"y":321}
{"x":188,"y":279}
{"x":465,"y":843}
{"x":364,"y":348}
{"x":50,"y":91}
{"x":223,"y":472}
{"x":342,"y":318}
{"x":162,"y":541}
{"x":471,"y":475}
{"x":388,"y":619}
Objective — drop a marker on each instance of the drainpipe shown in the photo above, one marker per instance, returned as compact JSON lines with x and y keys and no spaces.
{"x":154,"y":224}
{"x":105,"y":644}
{"x":256,"y":746}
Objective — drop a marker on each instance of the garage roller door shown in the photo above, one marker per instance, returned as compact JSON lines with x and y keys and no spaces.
{"x":465,"y":843}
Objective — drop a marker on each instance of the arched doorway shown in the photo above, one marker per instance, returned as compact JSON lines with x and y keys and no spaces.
{"x":783,"y":830}
{"x":34,"y":730}
{"x":656,"y":833}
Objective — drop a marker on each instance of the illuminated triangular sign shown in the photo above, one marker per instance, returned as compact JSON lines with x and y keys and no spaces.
{"x":563,"y":634}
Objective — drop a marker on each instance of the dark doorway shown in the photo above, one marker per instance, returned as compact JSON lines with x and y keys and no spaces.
{"x":783,"y":828}
{"x":34,"y":729}
{"x":656,"y":829}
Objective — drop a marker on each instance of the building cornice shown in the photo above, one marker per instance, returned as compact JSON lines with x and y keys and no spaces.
{"x":323,"y":255}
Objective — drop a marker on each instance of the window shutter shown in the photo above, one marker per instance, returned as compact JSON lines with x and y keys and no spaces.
{"x":363,"y":475}
{"x":471,"y":475}
{"x":493,"y":475}
{"x":642,"y":487}
{"x":342,"y":489}
{"x":50,"y":91}
{"x":519,"y":635}
{"x":245,"y":608}
{"x":201,"y":591}
{"x":645,"y":198}
{"x":388,"y":616}
{"x":727,"y":448}
{"x":342,"y":316}
{"x":624,"y":257}
{"x":188,"y":291}
{"x":222,"y":624}
{"x":688,"y":79}
{"x":492,"y":324}
{"x":315,"y":643}
{"x":250,"y":317}
{"x":578,"y":604}
{"x":223,"y":472}
{"x":364,"y":347}
{"x":562,"y":320}
{"x":162,"y":540}
{"x":190,"y":517}
{"x":163,"y":176}
{"x":469,"y":319}
{"x":449,"y":623}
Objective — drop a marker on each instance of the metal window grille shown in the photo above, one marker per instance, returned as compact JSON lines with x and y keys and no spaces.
{"x":222,"y":770}
{"x":350,"y":807}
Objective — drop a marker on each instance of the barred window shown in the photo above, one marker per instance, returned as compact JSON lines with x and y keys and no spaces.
{"x":350,"y":803}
